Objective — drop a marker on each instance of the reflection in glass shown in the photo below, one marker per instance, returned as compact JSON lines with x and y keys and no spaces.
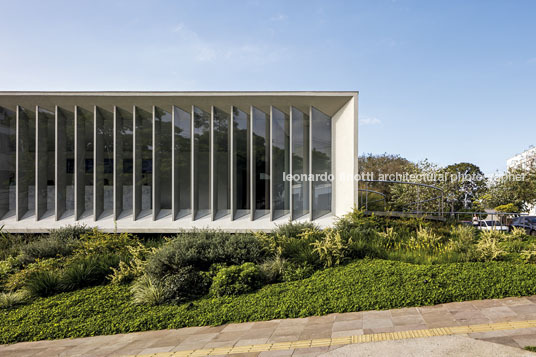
{"x":201,"y":192}
{"x":25,"y":162}
{"x":84,"y":162}
{"x":241,"y":170}
{"x":45,"y":151}
{"x":182,"y":165}
{"x":124,"y":176}
{"x":7,"y":161}
{"x":103,"y":167}
{"x":300,"y":163}
{"x":64,"y":163}
{"x":221,"y":161}
{"x":280,"y":163}
{"x":321,"y":162}
{"x":143,"y":162}
{"x":162,"y":161}
{"x":261,"y":162}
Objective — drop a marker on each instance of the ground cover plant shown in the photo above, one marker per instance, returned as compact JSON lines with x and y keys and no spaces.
{"x":80,"y":282}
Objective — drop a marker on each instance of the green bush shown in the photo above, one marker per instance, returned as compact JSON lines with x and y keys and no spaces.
{"x":202,"y":249}
{"x":17,"y":279}
{"x":11,"y":299}
{"x":95,"y":242}
{"x":43,"y":283}
{"x":272,"y":269}
{"x":46,"y":247}
{"x":236,"y":280}
{"x":148,"y":291}
{"x":69,"y":233}
{"x":293,"y":229}
{"x":185,"y":284}
{"x":87,"y":271}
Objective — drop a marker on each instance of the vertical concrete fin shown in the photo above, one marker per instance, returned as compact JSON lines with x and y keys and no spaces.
{"x":60,"y":167}
{"x":98,"y":163}
{"x":157,"y":124}
{"x":118,"y":164}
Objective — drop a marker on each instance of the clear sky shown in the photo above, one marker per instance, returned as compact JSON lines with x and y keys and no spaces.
{"x":450,"y":81}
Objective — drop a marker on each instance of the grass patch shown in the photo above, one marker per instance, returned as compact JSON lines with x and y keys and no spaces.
{"x":361,"y":285}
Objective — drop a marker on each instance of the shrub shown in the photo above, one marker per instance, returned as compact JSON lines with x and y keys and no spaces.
{"x":273,"y":268}
{"x":331,"y":249}
{"x":186,"y":283}
{"x":529,"y":255}
{"x":294,"y":272}
{"x":294,"y":229}
{"x":43,"y":283}
{"x":96,"y":242}
{"x":148,"y":291}
{"x":236,"y":280}
{"x":294,"y":249}
{"x":88,"y":271}
{"x":46,"y":247}
{"x":518,"y":234}
{"x":201,"y":249}
{"x":389,"y":238}
{"x":134,"y":267}
{"x":488,"y":248}
{"x":17,"y":280}
{"x":11,"y":299}
{"x":69,"y":233}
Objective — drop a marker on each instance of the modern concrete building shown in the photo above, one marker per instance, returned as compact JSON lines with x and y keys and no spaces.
{"x":166,"y":161}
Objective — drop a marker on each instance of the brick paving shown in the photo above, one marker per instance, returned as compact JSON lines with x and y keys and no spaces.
{"x":290,"y":330}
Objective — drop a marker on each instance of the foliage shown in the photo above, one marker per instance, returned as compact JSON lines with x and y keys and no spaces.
{"x":488,"y":247}
{"x":135,"y":265}
{"x":96,"y":242}
{"x":358,"y":286}
{"x":46,"y":247}
{"x":184,"y":284}
{"x":236,"y":280}
{"x":294,"y":229}
{"x":508,"y":191}
{"x":43,"y":283}
{"x":87,"y":271}
{"x":148,"y":291}
{"x":11,"y":299}
{"x":464,"y":183}
{"x":508,"y":208}
{"x":529,"y":255}
{"x":331,"y":249}
{"x":18,"y":279}
{"x":272,"y":269}
{"x":201,"y":249}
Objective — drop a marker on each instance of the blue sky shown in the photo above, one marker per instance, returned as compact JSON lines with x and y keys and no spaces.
{"x":450,"y":81}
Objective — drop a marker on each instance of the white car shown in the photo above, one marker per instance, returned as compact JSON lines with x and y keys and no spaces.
{"x":491,"y":226}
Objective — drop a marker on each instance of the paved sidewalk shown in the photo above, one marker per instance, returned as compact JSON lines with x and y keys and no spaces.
{"x":497,"y":322}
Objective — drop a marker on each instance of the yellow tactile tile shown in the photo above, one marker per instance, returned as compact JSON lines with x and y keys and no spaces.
{"x":323,"y":342}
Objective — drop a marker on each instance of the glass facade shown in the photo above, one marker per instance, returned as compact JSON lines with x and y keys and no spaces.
{"x":321,"y":159}
{"x":241,"y":163}
{"x":221,"y":157}
{"x":189,"y":161}
{"x":261,"y":162}
{"x":8,"y":151}
{"x":201,"y":163}
{"x":280,"y":163}
{"x":182,"y":162}
{"x":162,"y":162}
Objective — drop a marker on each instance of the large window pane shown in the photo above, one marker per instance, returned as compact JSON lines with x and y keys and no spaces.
{"x":26,"y":162}
{"x":321,"y":162}
{"x":124,"y":177}
{"x":300,"y":163}
{"x":103,"y":167}
{"x":7,"y":161}
{"x":280,"y":163}
{"x":241,"y":170}
{"x":201,"y":163}
{"x":46,"y":162}
{"x":183,"y":158}
{"x":261,"y":161}
{"x":143,"y":162}
{"x":162,"y":165}
{"x":84,"y":162}
{"x":221,"y":171}
{"x":65,"y":163}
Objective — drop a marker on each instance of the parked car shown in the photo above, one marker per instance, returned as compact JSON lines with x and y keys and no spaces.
{"x":491,"y":225}
{"x":528,"y":223}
